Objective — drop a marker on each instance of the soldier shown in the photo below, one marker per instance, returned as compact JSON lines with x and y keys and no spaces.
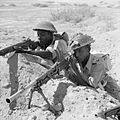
{"x":90,"y":69}
{"x":52,"y":46}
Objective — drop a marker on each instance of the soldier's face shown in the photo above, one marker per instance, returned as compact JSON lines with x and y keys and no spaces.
{"x":82,"y":53}
{"x":43,"y":36}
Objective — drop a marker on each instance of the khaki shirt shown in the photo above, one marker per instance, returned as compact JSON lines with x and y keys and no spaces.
{"x":95,"y":69}
{"x":58,"y":49}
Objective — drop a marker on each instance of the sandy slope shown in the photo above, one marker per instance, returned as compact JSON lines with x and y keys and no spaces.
{"x":79,"y":103}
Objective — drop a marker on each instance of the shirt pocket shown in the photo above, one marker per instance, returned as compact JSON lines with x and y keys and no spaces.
{"x":97,"y":72}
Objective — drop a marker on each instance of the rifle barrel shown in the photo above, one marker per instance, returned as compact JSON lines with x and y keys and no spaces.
{"x":12,"y":48}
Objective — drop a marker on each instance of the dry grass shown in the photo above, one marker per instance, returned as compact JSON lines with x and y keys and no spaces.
{"x":74,"y":14}
{"x":108,"y":21}
{"x":64,"y":4}
{"x":12,"y":5}
{"x":40,"y":5}
{"x":50,"y":2}
{"x":8,"y":5}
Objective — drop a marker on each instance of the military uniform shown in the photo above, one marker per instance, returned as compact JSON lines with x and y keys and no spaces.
{"x":58,"y":50}
{"x":94,"y":68}
{"x":95,"y":71}
{"x":58,"y":47}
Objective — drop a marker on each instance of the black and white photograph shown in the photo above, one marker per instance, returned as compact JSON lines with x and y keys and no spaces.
{"x":59,"y":59}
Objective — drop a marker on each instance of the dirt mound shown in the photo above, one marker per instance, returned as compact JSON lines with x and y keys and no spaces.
{"x":78,"y":102}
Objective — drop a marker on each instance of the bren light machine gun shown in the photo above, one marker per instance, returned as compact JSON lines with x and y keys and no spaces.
{"x":36,"y":84}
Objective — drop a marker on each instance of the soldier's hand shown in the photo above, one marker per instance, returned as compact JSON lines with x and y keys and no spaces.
{"x":68,"y":72}
{"x":2,"y":53}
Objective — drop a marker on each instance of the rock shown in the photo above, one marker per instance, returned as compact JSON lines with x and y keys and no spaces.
{"x":6,"y":85}
{"x":34,"y":117}
{"x":58,"y":107}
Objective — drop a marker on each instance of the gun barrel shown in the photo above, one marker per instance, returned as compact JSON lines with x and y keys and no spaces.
{"x":6,"y":50}
{"x":17,"y":94}
{"x":11,"y":98}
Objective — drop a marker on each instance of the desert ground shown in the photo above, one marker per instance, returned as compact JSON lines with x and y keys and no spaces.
{"x":98,"y":18}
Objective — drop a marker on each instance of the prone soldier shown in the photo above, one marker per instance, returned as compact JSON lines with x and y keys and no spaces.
{"x":88,"y":68}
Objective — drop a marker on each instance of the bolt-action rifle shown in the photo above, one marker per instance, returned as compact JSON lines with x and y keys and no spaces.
{"x":25,"y":44}
{"x":28,"y":43}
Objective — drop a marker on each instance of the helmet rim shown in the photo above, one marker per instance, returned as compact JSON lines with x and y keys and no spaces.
{"x":81,"y":40}
{"x":46,"y":26}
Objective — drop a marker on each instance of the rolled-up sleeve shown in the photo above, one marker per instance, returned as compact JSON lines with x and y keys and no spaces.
{"x":60,"y":47}
{"x":51,"y":49}
{"x":58,"y":50}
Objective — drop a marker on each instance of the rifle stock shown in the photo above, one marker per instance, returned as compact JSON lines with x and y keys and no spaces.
{"x":43,"y":79}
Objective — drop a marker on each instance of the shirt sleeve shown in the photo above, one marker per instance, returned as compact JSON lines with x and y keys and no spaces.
{"x":51,"y":49}
{"x":59,"y":49}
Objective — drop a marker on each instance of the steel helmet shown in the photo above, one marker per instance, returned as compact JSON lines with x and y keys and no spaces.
{"x":80,"y":40}
{"x":45,"y":25}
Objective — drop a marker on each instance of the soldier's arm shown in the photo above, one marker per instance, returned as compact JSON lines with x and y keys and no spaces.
{"x":76,"y":75}
{"x":43,"y":54}
{"x":60,"y":49}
